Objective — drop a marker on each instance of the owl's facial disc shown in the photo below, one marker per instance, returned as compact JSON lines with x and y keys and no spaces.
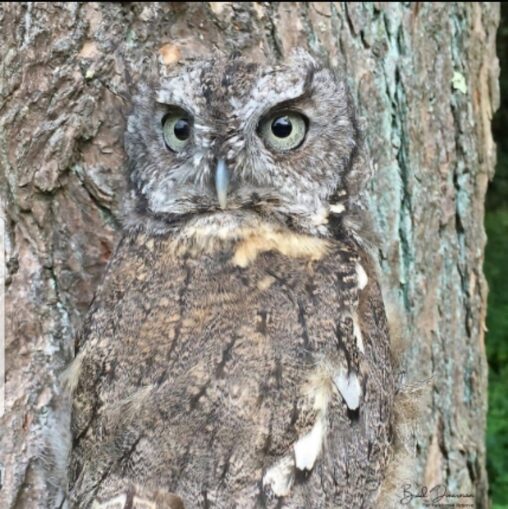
{"x":221,"y":139}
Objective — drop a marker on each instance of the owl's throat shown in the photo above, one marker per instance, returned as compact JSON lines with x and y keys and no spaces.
{"x":245,"y":235}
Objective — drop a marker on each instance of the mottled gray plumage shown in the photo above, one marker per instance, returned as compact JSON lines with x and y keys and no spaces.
{"x":236,"y":356}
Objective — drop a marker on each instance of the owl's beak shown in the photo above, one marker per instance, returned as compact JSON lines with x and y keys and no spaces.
{"x":222,"y":182}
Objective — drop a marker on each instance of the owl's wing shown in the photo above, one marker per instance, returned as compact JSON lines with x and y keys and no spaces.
{"x":344,"y":416}
{"x":360,"y":437}
{"x":103,"y":374}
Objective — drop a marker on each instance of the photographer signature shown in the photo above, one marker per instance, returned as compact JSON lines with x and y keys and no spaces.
{"x":433,"y":496}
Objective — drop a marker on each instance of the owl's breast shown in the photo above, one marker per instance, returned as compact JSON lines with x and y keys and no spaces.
{"x":266,"y":298}
{"x":233,"y":349}
{"x":246,"y":315}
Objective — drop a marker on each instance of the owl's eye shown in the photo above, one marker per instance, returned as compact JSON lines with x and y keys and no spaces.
{"x":284,"y":131}
{"x":176,"y":129}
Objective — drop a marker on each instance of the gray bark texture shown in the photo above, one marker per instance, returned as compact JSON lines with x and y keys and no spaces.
{"x":425,"y":79}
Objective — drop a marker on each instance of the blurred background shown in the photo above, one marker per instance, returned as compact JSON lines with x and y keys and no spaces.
{"x":496,"y":270}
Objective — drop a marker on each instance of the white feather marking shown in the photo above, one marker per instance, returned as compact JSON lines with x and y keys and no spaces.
{"x":307,"y":449}
{"x":350,"y":389}
{"x":280,"y":477}
{"x":320,"y":217}
{"x":337,"y":208}
{"x":357,"y":331}
{"x":362,"y":277}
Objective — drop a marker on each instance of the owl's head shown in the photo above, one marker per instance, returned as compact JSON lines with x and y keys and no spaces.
{"x":216,"y":140}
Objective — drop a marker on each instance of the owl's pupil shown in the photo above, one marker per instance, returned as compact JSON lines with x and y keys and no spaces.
{"x":281,"y":127}
{"x":182,"y":129}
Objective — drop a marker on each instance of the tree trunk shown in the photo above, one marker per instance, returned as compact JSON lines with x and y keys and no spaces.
{"x":424,"y":77}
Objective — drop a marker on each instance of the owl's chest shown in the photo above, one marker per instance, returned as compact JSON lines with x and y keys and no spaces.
{"x":213,"y":289}
{"x":184,"y":311}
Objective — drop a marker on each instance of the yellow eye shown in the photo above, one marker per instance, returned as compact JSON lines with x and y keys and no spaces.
{"x":284,"y":131}
{"x":176,"y":129}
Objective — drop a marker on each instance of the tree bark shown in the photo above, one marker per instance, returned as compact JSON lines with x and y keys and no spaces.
{"x":424,"y":77}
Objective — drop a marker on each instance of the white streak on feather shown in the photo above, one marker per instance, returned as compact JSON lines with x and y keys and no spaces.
{"x":337,"y":208}
{"x":350,"y":389}
{"x":362,"y":277}
{"x":357,"y":331}
{"x":308,"y":447}
{"x":280,"y":477}
{"x":320,"y":217}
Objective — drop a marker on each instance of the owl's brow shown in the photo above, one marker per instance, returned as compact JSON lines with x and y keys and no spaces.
{"x":288,"y":103}
{"x":306,"y":92}
{"x":172,"y":104}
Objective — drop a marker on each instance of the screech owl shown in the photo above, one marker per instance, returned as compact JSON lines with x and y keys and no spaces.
{"x":236,"y":354}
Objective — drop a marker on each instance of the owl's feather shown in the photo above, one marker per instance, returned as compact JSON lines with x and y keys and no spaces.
{"x":236,"y":353}
{"x":197,"y":377}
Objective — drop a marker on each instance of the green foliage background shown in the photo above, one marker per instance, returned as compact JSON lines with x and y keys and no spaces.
{"x":496,"y":270}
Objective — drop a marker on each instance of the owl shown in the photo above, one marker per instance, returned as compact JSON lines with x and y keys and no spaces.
{"x":236,"y":354}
